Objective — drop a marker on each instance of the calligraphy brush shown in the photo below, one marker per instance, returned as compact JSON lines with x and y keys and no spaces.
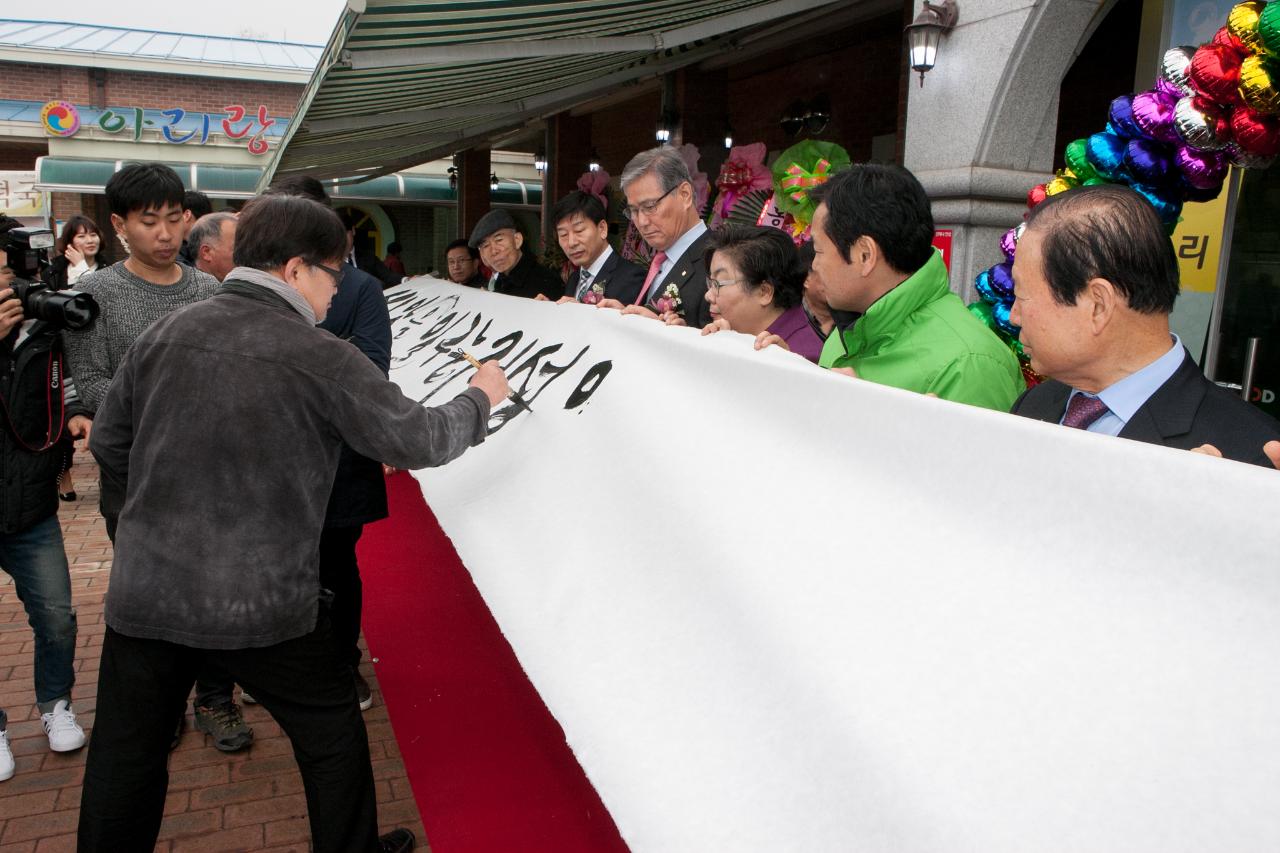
{"x":514,"y":396}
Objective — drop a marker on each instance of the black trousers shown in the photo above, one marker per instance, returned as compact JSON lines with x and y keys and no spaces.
{"x":143,"y":686}
{"x":340,"y":575}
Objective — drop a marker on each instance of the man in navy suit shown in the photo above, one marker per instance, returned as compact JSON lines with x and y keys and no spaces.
{"x":1095,"y":279}
{"x":660,"y":201}
{"x":582,"y":230}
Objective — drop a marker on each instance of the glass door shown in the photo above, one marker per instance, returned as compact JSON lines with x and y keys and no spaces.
{"x":1250,"y":315}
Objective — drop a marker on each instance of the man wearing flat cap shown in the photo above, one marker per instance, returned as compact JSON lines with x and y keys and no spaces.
{"x":515,"y":272}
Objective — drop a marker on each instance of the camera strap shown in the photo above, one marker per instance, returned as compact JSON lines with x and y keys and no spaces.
{"x":54,"y":390}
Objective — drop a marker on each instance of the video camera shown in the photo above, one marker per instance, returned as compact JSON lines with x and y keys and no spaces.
{"x":28,"y":253}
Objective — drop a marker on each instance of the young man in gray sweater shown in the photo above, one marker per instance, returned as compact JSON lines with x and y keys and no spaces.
{"x":223,"y":427}
{"x":146,"y":201}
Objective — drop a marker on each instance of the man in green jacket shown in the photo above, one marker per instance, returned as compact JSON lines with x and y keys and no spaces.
{"x":873,"y":238}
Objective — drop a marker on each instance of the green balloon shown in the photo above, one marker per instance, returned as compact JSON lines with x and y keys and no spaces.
{"x":1077,"y":162}
{"x":1269,"y":28}
{"x":982,"y":310}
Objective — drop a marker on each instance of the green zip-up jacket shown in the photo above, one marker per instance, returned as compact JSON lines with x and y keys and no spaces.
{"x":920,"y":337}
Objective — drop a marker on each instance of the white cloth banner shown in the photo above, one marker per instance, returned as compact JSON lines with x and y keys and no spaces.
{"x":775,"y":608}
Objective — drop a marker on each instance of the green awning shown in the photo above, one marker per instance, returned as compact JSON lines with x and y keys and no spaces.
{"x":403,"y":82}
{"x":65,"y":174}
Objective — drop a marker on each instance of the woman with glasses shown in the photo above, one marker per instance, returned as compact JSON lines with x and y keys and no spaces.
{"x":755,"y":281}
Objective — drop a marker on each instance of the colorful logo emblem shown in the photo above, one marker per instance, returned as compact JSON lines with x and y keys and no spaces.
{"x":60,"y":118}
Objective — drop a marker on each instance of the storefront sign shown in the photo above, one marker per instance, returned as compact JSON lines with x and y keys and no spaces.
{"x":942,"y":242}
{"x":176,"y":125}
{"x":19,"y":197}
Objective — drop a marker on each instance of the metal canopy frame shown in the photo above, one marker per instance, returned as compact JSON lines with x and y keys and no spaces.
{"x":451,"y":75}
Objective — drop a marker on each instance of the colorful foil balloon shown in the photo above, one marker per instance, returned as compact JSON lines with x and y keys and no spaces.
{"x":1002,"y":280}
{"x":1196,"y":127}
{"x":1167,"y":208}
{"x":1242,"y":22}
{"x":1147,"y":161}
{"x":1154,"y":113}
{"x":1009,"y":241}
{"x":1257,"y":87}
{"x":1121,"y":118}
{"x":1255,"y":134}
{"x":1000,"y":314}
{"x":1212,"y":107}
{"x":1175,"y":68}
{"x":1077,"y":160}
{"x":1105,"y":152}
{"x":1215,"y":72}
{"x":1269,"y":28}
{"x":983,"y":285}
{"x":1225,"y":38}
{"x":1203,"y":170}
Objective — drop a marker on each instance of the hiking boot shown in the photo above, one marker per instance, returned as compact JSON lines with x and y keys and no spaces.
{"x":364,"y":694}
{"x":61,"y":728}
{"x":226,"y":725}
{"x":397,"y":841}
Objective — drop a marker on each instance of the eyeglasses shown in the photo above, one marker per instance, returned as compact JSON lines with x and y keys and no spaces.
{"x":336,"y":275}
{"x":647,"y":207}
{"x":712,"y":284}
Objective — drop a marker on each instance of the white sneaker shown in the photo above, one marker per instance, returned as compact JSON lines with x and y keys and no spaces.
{"x":60,"y":725}
{"x":6,"y":757}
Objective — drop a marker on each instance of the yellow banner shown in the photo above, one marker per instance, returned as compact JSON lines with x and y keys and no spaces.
{"x":1198,"y":242}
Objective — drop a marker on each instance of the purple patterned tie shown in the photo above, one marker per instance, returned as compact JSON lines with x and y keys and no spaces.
{"x":1083,"y":410}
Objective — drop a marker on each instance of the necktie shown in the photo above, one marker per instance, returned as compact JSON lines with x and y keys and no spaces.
{"x":654,"y":267}
{"x":584,"y":282}
{"x":1083,"y":410}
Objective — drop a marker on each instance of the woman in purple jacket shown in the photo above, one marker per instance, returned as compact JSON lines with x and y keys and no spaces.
{"x":755,"y":281}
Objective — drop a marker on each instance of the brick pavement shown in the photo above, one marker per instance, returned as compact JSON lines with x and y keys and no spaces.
{"x":249,"y":801}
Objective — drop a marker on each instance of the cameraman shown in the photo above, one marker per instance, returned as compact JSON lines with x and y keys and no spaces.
{"x":38,"y":408}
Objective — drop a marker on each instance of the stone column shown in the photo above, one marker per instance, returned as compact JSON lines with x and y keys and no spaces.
{"x":980,"y":132}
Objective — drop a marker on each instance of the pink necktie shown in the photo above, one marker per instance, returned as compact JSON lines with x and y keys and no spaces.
{"x":1083,"y":410}
{"x":654,"y":266}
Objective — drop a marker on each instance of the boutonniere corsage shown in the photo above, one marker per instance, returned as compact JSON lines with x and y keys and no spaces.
{"x":668,"y":301}
{"x":595,"y":293}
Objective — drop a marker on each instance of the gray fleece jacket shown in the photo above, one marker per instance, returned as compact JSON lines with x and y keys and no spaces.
{"x":222,"y":429}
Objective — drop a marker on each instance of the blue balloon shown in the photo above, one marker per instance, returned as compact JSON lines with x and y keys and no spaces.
{"x":1105,"y":152}
{"x":1002,"y":280}
{"x":983,"y":285}
{"x":1000,"y":313}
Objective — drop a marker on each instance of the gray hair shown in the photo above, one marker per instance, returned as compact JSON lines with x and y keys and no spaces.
{"x":664,"y":163}
{"x":208,"y":229}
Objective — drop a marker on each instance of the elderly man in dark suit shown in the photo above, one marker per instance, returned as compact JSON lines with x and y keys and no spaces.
{"x":660,"y":201}
{"x":515,"y":271}
{"x":582,"y":230}
{"x":1095,"y":280}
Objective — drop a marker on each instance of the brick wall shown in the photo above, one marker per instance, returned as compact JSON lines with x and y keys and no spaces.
{"x":859,"y":68}
{"x":620,"y":132}
{"x":20,"y":158}
{"x":35,"y":82}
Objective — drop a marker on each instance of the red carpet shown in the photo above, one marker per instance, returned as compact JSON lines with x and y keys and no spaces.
{"x":489,"y":765}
